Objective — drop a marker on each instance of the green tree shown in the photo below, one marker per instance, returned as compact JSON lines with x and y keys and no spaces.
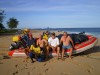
{"x":1,"y":26}
{"x":12,"y":23}
{"x":2,"y":15}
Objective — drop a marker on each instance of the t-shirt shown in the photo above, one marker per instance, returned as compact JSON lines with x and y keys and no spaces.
{"x":53,"y":42}
{"x":31,"y":41}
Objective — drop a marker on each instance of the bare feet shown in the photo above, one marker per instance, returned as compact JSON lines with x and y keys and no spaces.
{"x":63,"y":59}
{"x":26,"y":59}
{"x":70,"y":57}
{"x":58,"y":58}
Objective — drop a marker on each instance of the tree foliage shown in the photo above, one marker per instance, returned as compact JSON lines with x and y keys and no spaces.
{"x":1,"y":26}
{"x":2,"y":15}
{"x":12,"y":23}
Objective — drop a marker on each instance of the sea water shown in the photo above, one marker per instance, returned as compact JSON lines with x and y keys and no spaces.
{"x":91,"y":31}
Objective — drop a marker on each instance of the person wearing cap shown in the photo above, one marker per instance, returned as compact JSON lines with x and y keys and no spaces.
{"x":27,"y":41}
{"x":24,"y":39}
{"x":26,"y":31}
{"x":53,"y":42}
{"x":31,"y":45}
{"x":25,"y":35}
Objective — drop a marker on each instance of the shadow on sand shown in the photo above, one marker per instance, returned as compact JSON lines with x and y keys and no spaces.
{"x":87,"y":53}
{"x":95,"y":49}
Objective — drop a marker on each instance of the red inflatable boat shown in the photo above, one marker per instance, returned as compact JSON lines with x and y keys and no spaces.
{"x":83,"y":46}
{"x":78,"y":47}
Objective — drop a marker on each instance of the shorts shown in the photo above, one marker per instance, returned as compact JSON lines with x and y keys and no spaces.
{"x":31,"y":55}
{"x":67,"y":47}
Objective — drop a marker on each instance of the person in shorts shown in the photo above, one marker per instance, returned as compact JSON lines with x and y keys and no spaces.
{"x":67,"y":43}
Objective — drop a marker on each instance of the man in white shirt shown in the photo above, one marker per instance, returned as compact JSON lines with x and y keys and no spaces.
{"x":54,"y":44}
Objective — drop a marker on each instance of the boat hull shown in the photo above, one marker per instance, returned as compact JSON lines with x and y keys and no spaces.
{"x":78,"y":48}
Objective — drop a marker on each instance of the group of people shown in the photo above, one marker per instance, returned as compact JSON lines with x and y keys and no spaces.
{"x":46,"y":44}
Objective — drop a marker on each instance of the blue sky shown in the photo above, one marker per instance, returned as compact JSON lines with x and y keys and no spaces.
{"x":53,"y":13}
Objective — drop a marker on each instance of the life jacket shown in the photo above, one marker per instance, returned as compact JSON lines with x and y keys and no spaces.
{"x":45,"y":37}
{"x":35,"y":49}
{"x":16,"y":38}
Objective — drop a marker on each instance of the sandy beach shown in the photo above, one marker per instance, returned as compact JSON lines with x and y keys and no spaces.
{"x":85,"y":63}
